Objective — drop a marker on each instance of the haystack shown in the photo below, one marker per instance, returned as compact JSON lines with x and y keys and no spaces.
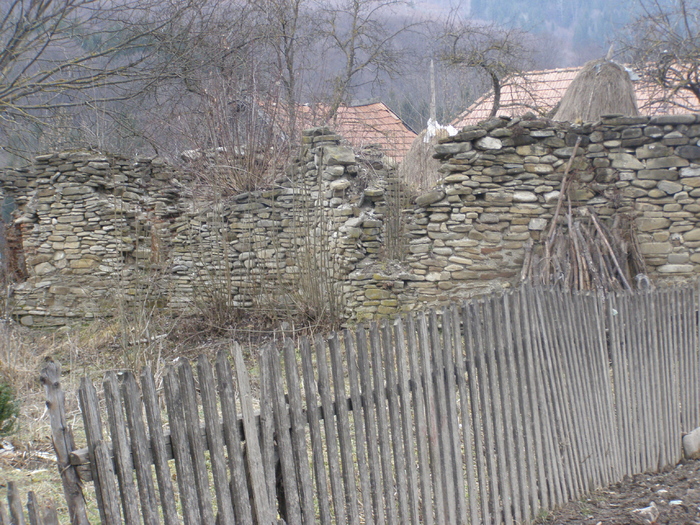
{"x":601,"y":88}
{"x":419,"y":170}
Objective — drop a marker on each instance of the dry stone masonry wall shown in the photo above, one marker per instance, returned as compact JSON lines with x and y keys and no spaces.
{"x":502,"y":181}
{"x":101,"y":232}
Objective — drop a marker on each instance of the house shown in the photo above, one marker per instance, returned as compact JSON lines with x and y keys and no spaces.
{"x":367,"y":125}
{"x":540,"y":92}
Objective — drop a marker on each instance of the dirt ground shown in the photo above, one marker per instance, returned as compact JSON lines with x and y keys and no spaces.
{"x":671,"y":497}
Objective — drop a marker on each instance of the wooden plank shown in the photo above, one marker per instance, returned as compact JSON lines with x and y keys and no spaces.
{"x":440,"y":397}
{"x":487,"y":410}
{"x":471,"y":328}
{"x":693,"y":381}
{"x":140,"y":449}
{"x":292,"y":507}
{"x":558,"y":399}
{"x":358,"y":417}
{"x":681,"y":359}
{"x":651,"y":353}
{"x":418,"y":401}
{"x":494,"y":351}
{"x":528,"y":460}
{"x":395,"y":421}
{"x":431,"y":420}
{"x":548,"y":397}
{"x":121,"y":450}
{"x":318,"y":459}
{"x":104,"y":458}
{"x":670,"y":335}
{"x":49,"y":514}
{"x":158,"y":448}
{"x":672,"y":349}
{"x":583,"y":306}
{"x":629,"y":411}
{"x":324,"y":388}
{"x":380,"y":408}
{"x":541,"y":499}
{"x":363,"y":361}
{"x":662,"y":393}
{"x":263,"y":513}
{"x":687,"y":377}
{"x":551,"y":458}
{"x":642,"y":381}
{"x":197,"y":446}
{"x":181,"y":449}
{"x":455,"y":445}
{"x":569,"y":378}
{"x":343,"y":422}
{"x":571,"y":353}
{"x":619,"y":379}
{"x":62,"y":439}
{"x":298,"y":423}
{"x":460,"y":328}
{"x":215,"y":442}
{"x":4,"y":518}
{"x":520,"y":484}
{"x":266,"y":435}
{"x":232,"y":436}
{"x":14,"y":501}
{"x":407,"y":423}
{"x":101,"y":463}
{"x":503,"y":349}
{"x":607,"y":375}
{"x":33,"y":510}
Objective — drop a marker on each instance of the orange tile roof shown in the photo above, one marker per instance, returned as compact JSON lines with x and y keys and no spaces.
{"x":540,"y":92}
{"x":369,"y":124}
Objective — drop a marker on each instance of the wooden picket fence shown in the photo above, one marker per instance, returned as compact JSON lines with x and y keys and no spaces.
{"x":37,"y":514}
{"x":488,"y":412}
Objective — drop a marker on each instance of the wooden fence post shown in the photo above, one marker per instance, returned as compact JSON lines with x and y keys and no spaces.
{"x":63,"y":443}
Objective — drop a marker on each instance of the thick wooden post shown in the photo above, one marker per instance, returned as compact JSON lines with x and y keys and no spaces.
{"x":63,"y":443}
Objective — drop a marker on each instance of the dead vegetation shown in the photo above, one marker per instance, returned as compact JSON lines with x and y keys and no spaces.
{"x":579,"y":252}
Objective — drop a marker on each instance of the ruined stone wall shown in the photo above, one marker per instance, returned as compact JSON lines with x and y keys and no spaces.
{"x":102,"y":233}
{"x":501,"y":186}
{"x":99,"y":233}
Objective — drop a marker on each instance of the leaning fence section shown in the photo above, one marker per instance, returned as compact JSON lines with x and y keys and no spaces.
{"x":486,"y":412}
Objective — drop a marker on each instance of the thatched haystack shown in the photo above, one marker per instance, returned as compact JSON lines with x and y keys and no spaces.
{"x":602,"y":87}
{"x":419,"y":170}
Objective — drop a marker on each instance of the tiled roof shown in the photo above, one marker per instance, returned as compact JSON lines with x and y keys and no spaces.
{"x":540,"y":92}
{"x":368,"y":124}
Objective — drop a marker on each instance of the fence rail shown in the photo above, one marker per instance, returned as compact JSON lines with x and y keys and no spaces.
{"x":484,"y":413}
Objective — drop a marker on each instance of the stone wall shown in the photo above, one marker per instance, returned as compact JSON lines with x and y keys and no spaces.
{"x":501,"y":185}
{"x":101,"y":232}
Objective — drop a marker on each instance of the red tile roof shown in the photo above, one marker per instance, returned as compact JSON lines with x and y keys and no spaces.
{"x":368,"y":124}
{"x":540,"y":92}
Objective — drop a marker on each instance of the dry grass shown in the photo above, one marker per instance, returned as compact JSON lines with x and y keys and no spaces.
{"x":89,"y":350}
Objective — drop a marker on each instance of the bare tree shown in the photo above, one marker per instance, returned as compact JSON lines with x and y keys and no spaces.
{"x":663,"y":42}
{"x":362,"y":33}
{"x":496,"y":51}
{"x":58,"y":55}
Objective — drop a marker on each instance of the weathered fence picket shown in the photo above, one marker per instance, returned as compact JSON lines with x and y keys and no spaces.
{"x":37,"y":514}
{"x":487,"y":412}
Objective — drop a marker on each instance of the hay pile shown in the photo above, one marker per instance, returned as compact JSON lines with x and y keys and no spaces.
{"x":419,"y":170}
{"x":601,"y":88}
